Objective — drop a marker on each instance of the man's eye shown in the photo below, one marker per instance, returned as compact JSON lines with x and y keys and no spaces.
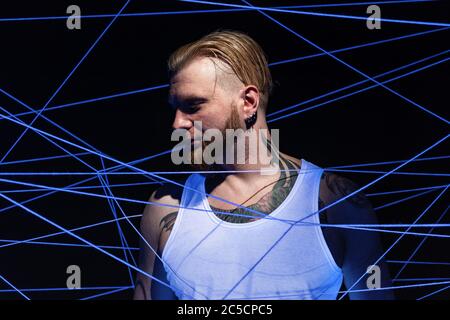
{"x":192,"y":108}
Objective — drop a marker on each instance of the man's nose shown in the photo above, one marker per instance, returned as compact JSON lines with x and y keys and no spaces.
{"x":181,"y":121}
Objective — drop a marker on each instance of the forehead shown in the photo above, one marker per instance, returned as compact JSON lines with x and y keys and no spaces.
{"x":196,"y":78}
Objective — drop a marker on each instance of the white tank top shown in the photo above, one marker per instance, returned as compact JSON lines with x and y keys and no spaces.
{"x":208,"y":258}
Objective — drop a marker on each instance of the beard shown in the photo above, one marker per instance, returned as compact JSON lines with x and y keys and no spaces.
{"x":233,"y":122}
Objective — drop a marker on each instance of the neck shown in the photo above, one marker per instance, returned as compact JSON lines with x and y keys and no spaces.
{"x":261,"y":156}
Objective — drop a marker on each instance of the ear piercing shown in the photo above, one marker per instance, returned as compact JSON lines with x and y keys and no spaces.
{"x":250,"y":121}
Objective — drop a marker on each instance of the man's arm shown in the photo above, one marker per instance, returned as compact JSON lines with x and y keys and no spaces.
{"x":152,"y":226}
{"x":361,"y":248}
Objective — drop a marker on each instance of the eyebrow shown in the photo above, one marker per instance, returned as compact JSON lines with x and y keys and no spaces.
{"x":188,"y":99}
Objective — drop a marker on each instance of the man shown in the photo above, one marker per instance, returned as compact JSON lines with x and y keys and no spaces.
{"x":238,"y":233}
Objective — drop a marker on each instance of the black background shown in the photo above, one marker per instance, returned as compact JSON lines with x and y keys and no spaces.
{"x":373,"y":126}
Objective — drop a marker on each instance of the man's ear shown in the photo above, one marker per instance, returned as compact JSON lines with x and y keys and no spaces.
{"x":250,"y":96}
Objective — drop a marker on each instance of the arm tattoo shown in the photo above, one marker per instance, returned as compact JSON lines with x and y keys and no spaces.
{"x":168,"y":221}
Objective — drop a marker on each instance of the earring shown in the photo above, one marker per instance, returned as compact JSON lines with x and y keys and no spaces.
{"x":250,"y":121}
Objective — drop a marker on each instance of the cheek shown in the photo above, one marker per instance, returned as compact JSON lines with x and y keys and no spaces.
{"x":214,"y":117}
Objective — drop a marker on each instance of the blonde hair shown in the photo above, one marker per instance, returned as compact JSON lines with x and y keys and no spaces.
{"x":240,"y":52}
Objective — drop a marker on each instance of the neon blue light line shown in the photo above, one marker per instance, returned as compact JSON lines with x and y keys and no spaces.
{"x":168,"y":151}
{"x":84,"y":188}
{"x":61,"y":232}
{"x":124,"y":243}
{"x":433,"y":293}
{"x":58,"y":146}
{"x":428,"y":174}
{"x":115,"y":168}
{"x":143,"y":239}
{"x":371,"y":229}
{"x":270,"y":65}
{"x":197,"y":191}
{"x":358,"y":91}
{"x":43,"y":136}
{"x":385,"y":225}
{"x":401,"y":287}
{"x":66,"y":79}
{"x":12,"y":286}
{"x":335,"y":203}
{"x":121,"y":234}
{"x":64,"y":244}
{"x":86,"y":241}
{"x":124,"y":15}
{"x":124,"y":164}
{"x":60,"y":289}
{"x":402,"y":191}
{"x":346,"y":64}
{"x":42,"y":159}
{"x":108,"y":292}
{"x":359,"y":290}
{"x":118,"y":167}
{"x":56,"y":125}
{"x":290,"y":222}
{"x":115,"y":199}
{"x":150,"y":183}
{"x":152,"y":203}
{"x":420,"y":244}
{"x":352,"y":4}
{"x":377,"y":208}
{"x":319,"y":14}
{"x":387,"y":162}
{"x":356,"y":84}
{"x":324,"y":225}
{"x":419,"y":262}
{"x":85,"y":193}
{"x":364,"y":45}
{"x":395,"y":225}
{"x":420,"y":279}
{"x":123,"y":94}
{"x":107,"y":97}
{"x":59,"y":127}
{"x":141,"y":14}
{"x":396,"y":241}
{"x":125,"y":217}
{"x":104,"y":183}
{"x":293,"y":223}
{"x":403,"y":200}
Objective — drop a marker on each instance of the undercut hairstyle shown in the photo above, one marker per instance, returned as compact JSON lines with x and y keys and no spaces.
{"x":237,"y":50}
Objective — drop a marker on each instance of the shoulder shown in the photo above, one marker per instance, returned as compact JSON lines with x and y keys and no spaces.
{"x":334,"y":187}
{"x":163,"y":202}
{"x":166,"y":197}
{"x":346,"y":203}
{"x":167,"y":193}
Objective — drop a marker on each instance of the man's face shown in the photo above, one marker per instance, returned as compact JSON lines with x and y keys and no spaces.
{"x":202,"y":92}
